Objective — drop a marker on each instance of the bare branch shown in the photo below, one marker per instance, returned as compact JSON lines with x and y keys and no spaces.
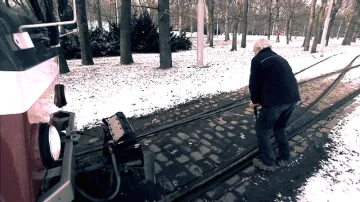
{"x":142,"y":6}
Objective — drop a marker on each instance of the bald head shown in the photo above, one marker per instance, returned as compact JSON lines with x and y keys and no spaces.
{"x":261,"y":44}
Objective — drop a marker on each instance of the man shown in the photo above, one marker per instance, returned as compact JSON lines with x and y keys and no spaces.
{"x":273,"y":86}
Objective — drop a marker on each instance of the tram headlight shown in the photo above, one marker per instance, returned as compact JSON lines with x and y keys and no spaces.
{"x":54,"y":143}
{"x":49,"y":144}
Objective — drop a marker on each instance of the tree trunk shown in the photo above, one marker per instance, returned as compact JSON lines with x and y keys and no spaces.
{"x":180,"y":23}
{"x":290,"y":30}
{"x":227,"y":35}
{"x":287,"y":30}
{"x":318,"y":28}
{"x":277,"y":21}
{"x":352,"y":25}
{"x":180,"y":18}
{"x":57,"y":16}
{"x":164,"y":34}
{"x":207,"y":18}
{"x":244,"y":22}
{"x":288,"y":21}
{"x":235,"y":32}
{"x":321,"y":29}
{"x":117,"y":17}
{"x":357,"y":34}
{"x":211,"y":22}
{"x":309,"y":26}
{"x":125,"y":33}
{"x":153,"y":11}
{"x":335,"y":8}
{"x":98,"y":8}
{"x":191,"y":25}
{"x":209,"y":6}
{"x":338,"y":32}
{"x":331,"y":27}
{"x":238,"y":13}
{"x":303,"y":33}
{"x":350,"y":30}
{"x":356,"y":30}
{"x":110,"y":19}
{"x":270,"y":19}
{"x":86,"y":57}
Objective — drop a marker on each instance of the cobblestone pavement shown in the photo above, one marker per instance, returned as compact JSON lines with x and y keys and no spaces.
{"x":180,"y":112}
{"x":186,"y":153}
{"x":252,"y":184}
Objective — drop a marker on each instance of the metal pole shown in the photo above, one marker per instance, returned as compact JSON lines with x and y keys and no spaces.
{"x":326,"y":26}
{"x":200,"y":33}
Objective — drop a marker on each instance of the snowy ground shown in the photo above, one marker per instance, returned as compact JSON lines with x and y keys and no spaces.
{"x":99,"y":91}
{"x":339,"y":177}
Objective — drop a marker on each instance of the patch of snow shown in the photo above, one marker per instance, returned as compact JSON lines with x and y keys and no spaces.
{"x":339,"y":177}
{"x":99,"y":91}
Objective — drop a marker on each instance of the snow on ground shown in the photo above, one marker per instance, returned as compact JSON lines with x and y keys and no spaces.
{"x":339,"y":177}
{"x":99,"y":91}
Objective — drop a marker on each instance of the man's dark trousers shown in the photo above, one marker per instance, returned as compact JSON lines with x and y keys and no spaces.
{"x":274,"y":118}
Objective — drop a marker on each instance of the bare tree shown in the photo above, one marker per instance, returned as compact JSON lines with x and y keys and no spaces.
{"x":180,"y":12}
{"x":270,"y":19}
{"x":309,"y":26}
{"x":86,"y":57}
{"x":207,"y":19}
{"x":355,"y":33}
{"x":227,"y":5}
{"x":245,"y":21}
{"x":191,"y":17}
{"x":125,"y":33}
{"x":336,"y":6}
{"x":211,"y":22}
{"x":352,"y":25}
{"x":277,"y":21}
{"x":238,"y":15}
{"x":164,"y":34}
{"x":98,"y":9}
{"x":209,"y":6}
{"x":318,"y":24}
{"x":290,"y":11}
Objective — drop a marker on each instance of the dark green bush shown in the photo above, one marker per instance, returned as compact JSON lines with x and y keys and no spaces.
{"x":114,"y":40}
{"x":99,"y":42}
{"x":180,"y":42}
{"x":144,"y":39}
{"x":71,"y":46}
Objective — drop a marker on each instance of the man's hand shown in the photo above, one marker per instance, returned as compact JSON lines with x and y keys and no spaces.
{"x":254,"y":105}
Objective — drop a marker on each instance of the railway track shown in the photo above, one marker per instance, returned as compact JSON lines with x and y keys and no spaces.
{"x":208,"y":113}
{"x":239,"y":163}
{"x":209,"y":180}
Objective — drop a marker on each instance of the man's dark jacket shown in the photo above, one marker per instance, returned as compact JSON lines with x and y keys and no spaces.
{"x":272,"y":81}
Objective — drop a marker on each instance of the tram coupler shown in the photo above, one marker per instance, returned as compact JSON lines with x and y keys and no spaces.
{"x":120,"y":137}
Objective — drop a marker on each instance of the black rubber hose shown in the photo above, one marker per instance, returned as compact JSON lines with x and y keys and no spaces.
{"x":118,"y":182}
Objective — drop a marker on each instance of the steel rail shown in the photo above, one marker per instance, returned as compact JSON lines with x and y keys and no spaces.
{"x":224,"y":172}
{"x":208,"y":113}
{"x":214,"y":179}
